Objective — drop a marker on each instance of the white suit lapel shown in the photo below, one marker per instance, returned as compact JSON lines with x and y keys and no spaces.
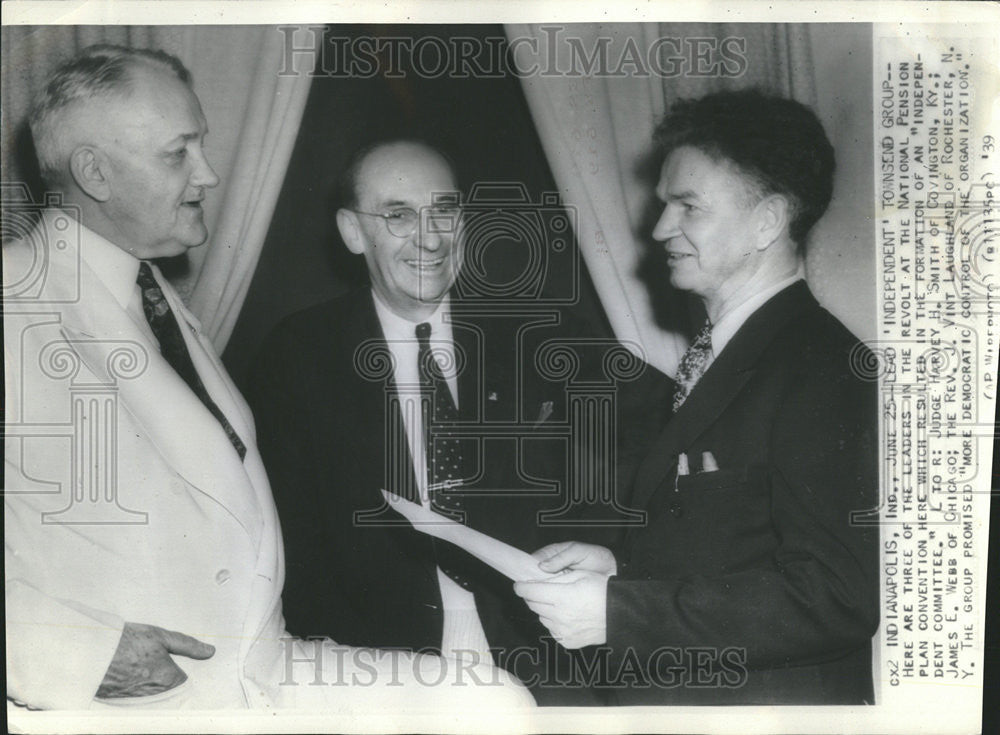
{"x":185,"y":433}
{"x":212,"y":374}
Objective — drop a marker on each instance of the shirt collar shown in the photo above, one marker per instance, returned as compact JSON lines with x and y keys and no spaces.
{"x":730,"y":322}
{"x":115,"y":268}
{"x":396,"y":327}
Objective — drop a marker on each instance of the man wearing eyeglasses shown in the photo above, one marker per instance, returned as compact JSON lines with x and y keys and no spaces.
{"x":345,"y":395}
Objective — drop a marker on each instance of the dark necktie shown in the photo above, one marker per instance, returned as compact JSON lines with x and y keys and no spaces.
{"x":693,"y":365}
{"x":443,"y":454}
{"x":167,"y":332}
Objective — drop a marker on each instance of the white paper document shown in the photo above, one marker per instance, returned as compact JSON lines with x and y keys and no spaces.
{"x":506,"y":559}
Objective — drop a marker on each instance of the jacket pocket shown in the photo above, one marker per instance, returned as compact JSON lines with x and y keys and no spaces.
{"x":727,"y":479}
{"x":708,"y":481}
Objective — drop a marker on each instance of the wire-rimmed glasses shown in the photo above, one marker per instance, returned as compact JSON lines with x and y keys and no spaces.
{"x":403,"y":221}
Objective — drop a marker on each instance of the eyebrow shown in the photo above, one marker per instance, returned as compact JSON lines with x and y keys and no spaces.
{"x":680,"y":195}
{"x":185,"y":137}
{"x":397,"y":202}
{"x":394,"y":203}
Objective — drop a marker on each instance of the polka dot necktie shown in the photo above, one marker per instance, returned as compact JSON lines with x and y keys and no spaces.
{"x":693,"y":365}
{"x":443,"y":453}
{"x":167,"y":332}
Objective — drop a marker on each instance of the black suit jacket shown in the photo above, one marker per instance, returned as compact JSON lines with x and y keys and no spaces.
{"x":751,"y":584}
{"x":319,"y":398}
{"x":323,"y":433}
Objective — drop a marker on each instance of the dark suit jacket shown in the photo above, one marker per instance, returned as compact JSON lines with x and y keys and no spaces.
{"x":323,"y":428}
{"x":758,"y":563}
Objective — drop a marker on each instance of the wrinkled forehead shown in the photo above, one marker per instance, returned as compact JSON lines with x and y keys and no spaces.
{"x":403,"y":175}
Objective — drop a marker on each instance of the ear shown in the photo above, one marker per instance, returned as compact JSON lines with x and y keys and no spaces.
{"x":773,"y":214}
{"x":350,"y":231}
{"x":89,"y":169}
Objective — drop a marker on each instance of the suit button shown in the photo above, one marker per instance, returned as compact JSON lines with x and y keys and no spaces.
{"x":676,"y":510}
{"x":222,"y":576}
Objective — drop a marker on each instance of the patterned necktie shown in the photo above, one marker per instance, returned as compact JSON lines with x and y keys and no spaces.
{"x":693,"y":365}
{"x":443,"y":454}
{"x":168,"y":334}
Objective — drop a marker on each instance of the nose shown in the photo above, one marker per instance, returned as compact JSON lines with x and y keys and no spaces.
{"x":667,"y":225}
{"x":429,"y":238}
{"x":203,"y":174}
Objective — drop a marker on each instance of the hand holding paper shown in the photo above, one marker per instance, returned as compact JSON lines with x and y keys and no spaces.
{"x":565,"y":583}
{"x":573,"y":606}
{"x":569,"y":555}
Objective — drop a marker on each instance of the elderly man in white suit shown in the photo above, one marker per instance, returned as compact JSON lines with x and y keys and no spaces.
{"x":143,"y":552}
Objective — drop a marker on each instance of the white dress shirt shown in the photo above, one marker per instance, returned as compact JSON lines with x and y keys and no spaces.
{"x":463,"y":631}
{"x":115,"y":268}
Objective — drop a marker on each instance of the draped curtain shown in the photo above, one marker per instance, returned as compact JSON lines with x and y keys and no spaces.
{"x":253,"y":116}
{"x":596,"y":130}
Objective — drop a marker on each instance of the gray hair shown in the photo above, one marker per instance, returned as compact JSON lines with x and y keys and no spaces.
{"x":102,"y":70}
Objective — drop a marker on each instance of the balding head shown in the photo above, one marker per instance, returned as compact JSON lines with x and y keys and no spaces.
{"x":348,"y":186}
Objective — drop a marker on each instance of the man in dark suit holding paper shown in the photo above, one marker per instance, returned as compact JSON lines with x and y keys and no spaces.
{"x":754,"y":580}
{"x":332,"y":435}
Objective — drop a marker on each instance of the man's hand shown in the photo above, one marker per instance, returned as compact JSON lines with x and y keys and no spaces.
{"x":567,"y":555}
{"x":572,"y":607}
{"x":142,"y":664}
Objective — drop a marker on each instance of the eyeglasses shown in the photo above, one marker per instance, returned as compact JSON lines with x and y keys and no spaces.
{"x":403,"y":222}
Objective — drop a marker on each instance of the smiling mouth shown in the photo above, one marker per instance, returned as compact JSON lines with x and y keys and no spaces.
{"x":426,"y":264}
{"x":673,"y":257}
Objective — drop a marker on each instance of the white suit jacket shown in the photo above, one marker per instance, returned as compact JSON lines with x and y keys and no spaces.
{"x":124,"y":499}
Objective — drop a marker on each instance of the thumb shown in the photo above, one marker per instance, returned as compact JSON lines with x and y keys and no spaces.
{"x":561,"y":558}
{"x":547,"y":552}
{"x":185,"y":645}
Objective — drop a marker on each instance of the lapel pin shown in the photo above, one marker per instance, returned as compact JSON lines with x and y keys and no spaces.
{"x":492,"y":396}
